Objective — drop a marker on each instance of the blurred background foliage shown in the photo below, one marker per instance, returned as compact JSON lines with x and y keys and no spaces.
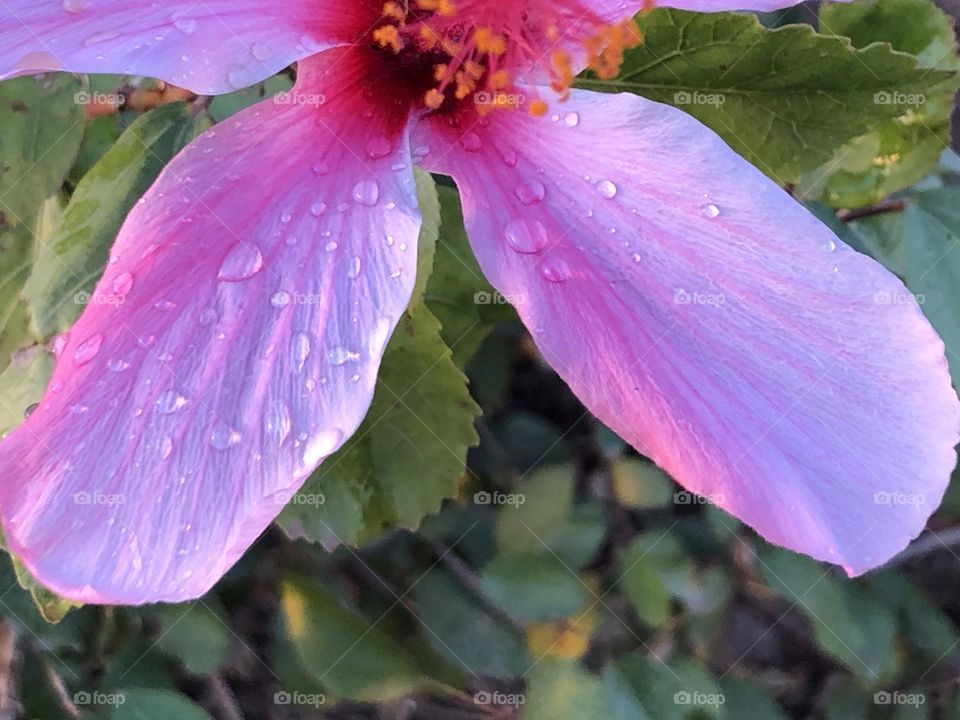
{"x":484,"y":548}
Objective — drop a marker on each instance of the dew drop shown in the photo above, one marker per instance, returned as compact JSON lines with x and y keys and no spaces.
{"x":555,"y":270}
{"x":222,"y":436}
{"x":526,"y":236}
{"x":300,"y":350}
{"x":169,"y":401}
{"x":572,"y":119}
{"x":354,"y":270}
{"x":318,"y":209}
{"x":118,"y":365}
{"x":277,"y":422}
{"x":709,"y":211}
{"x":242,"y":262}
{"x":320,"y":446}
{"x":531,"y":193}
{"x":607,"y":189}
{"x":341,"y":355}
{"x":75,"y":6}
{"x":166,"y":447}
{"x":123,"y":283}
{"x":379,"y":147}
{"x":88,"y":349}
{"x":185,"y":25}
{"x":366,"y":192}
{"x":472,"y":143}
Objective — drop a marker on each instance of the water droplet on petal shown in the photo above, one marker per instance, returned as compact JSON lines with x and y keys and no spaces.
{"x":222,"y":436}
{"x":607,"y":189}
{"x":75,"y":6}
{"x":710,"y":211}
{"x":555,"y":270}
{"x":123,"y":283}
{"x":185,"y":25}
{"x":88,"y":349}
{"x":340,"y":355}
{"x":300,"y":350}
{"x":321,"y":446}
{"x":571,"y":119}
{"x":531,"y":193}
{"x":169,"y":401}
{"x":526,"y":236}
{"x":379,"y":147}
{"x":472,"y":142}
{"x":242,"y":262}
{"x":166,"y":447}
{"x":277,"y":421}
{"x":366,"y":192}
{"x":318,"y":209}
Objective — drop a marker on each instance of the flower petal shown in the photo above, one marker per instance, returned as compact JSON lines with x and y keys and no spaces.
{"x":214,"y":46}
{"x":245,"y":309}
{"x":710,"y":320}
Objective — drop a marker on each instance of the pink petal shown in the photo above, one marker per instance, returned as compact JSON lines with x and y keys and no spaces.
{"x":710,"y":320}
{"x":213,"y":46}
{"x":235,"y":345}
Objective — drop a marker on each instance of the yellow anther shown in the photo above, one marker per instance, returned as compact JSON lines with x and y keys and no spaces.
{"x":440,"y":72}
{"x":487,"y":42}
{"x":446,"y":8}
{"x":394,"y":11}
{"x":499,"y":80}
{"x":474,"y":69}
{"x":429,"y":37}
{"x":433,"y":99}
{"x":388,"y":36}
{"x":538,"y":108}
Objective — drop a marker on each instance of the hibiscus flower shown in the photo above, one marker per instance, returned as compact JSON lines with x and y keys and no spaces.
{"x":689,"y":302}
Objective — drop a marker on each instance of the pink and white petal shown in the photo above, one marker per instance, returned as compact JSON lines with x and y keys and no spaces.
{"x":613,"y":10}
{"x":248,"y":301}
{"x":710,"y":320}
{"x":209,"y":47}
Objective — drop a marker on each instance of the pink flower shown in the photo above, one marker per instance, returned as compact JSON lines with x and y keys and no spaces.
{"x":691,"y":304}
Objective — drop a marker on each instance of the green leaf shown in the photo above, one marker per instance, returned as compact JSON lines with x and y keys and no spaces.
{"x":900,"y":151}
{"x":533,"y":586}
{"x":464,"y":632}
{"x":223,"y":106}
{"x":458,"y":293}
{"x":563,"y":690}
{"x":147,"y":704}
{"x":42,"y":129}
{"x":786,"y":99}
{"x":69,"y":265}
{"x":197,"y":634}
{"x":849,"y":622}
{"x":341,"y":649}
{"x":681,"y":689}
{"x":920,"y":245}
{"x":408,"y":453}
{"x":429,"y":203}
{"x":747,"y":700}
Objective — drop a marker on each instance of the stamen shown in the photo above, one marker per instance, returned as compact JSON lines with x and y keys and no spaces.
{"x":469,"y":47}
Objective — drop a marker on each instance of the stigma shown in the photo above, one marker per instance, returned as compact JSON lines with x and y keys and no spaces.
{"x":479,"y":50}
